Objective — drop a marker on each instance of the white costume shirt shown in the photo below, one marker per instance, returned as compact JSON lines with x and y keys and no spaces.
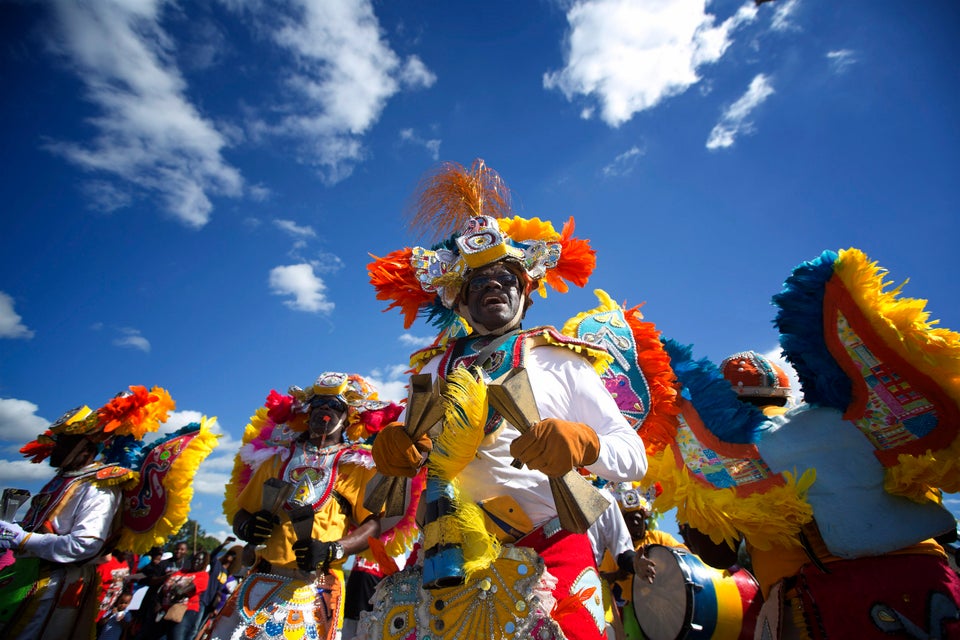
{"x":609,"y":531}
{"x":566,"y":387}
{"x":80,"y":527}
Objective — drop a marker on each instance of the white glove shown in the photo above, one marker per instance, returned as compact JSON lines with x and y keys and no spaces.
{"x":11,"y":535}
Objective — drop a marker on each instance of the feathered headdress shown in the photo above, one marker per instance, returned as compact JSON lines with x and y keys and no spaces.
{"x":127,"y":417}
{"x":472,"y":205}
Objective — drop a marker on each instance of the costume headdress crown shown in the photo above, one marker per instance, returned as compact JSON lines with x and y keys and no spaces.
{"x":753,"y":375}
{"x":632,"y":497}
{"x":471,"y":205}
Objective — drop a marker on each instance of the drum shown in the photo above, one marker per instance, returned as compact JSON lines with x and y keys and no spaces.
{"x":691,"y":600}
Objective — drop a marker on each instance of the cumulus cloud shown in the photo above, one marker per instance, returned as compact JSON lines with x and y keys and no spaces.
{"x":11,"y":325}
{"x":132,"y":339}
{"x":299,"y":281}
{"x":624,"y":163}
{"x":735,"y":120}
{"x":149,"y":136}
{"x":841,"y":60}
{"x":432,"y":144}
{"x":391,"y":383}
{"x":629,"y":56}
{"x":16,"y":473}
{"x":19,"y":421}
{"x":341,"y":76}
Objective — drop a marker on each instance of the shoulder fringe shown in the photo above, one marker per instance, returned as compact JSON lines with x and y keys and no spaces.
{"x":772,"y":518}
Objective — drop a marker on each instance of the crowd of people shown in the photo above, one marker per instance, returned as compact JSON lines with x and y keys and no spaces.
{"x":515,"y":493}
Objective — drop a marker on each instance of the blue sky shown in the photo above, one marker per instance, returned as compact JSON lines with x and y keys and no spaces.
{"x":191,"y":190}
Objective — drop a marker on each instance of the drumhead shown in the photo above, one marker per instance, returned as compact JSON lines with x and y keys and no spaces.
{"x":663,"y":607}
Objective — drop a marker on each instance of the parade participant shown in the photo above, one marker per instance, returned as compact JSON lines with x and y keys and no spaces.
{"x":96,"y":496}
{"x":296,"y":495}
{"x":486,"y":274}
{"x":838,"y":499}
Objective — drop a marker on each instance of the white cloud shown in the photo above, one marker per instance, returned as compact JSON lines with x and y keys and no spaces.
{"x":841,"y":60}
{"x":299,"y":281}
{"x":432,"y":145}
{"x":391,"y":383}
{"x":148,"y":134}
{"x":735,"y":119}
{"x":629,"y":56}
{"x":294,"y":229}
{"x":782,"y":15}
{"x":10,"y":321}
{"x":417,"y":342}
{"x":132,"y":339}
{"x":624,"y":163}
{"x":15,"y":473}
{"x":343,"y":72}
{"x":19,"y":421}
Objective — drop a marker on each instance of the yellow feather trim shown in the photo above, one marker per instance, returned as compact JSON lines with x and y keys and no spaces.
{"x":124,"y":480}
{"x":237,"y":480}
{"x":522,"y":229}
{"x":915,"y":476}
{"x":178,"y":484}
{"x":466,"y":412}
{"x":772,"y":518}
{"x":905,"y":327}
{"x":480,"y":548}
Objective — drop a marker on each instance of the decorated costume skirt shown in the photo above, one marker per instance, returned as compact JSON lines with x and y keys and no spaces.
{"x":544,"y":587}
{"x":268,"y":606}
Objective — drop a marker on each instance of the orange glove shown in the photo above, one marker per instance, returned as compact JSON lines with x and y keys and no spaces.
{"x":556,"y":446}
{"x":395,"y":454}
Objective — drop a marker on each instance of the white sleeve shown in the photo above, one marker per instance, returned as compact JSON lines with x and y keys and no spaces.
{"x":609,"y":532}
{"x":585,"y":399}
{"x":85,"y":523}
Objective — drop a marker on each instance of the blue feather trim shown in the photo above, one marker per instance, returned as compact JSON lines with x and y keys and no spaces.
{"x":722,"y":413}
{"x":800,"y":323}
{"x":123,"y":451}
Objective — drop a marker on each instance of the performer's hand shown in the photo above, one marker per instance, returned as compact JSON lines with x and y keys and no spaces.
{"x":257,"y":527}
{"x":11,"y":535}
{"x":644,"y":568}
{"x":556,"y":446}
{"x":395,"y":454}
{"x":312,"y":554}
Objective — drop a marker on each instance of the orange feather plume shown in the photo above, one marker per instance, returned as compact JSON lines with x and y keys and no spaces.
{"x":577,"y":261}
{"x":450,"y":195}
{"x":393,"y":278}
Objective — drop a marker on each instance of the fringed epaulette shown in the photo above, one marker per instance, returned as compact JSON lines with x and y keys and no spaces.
{"x":598,"y":357}
{"x":113,"y":475}
{"x":864,"y":349}
{"x":360,"y":455}
{"x":713,"y":474}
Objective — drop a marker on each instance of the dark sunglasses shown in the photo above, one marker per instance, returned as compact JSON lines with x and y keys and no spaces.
{"x":506,"y":280}
{"x":331,"y":402}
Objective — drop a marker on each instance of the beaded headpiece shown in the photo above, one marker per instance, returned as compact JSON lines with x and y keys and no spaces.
{"x":632,"y":497}
{"x":472,"y":206}
{"x":753,"y":375}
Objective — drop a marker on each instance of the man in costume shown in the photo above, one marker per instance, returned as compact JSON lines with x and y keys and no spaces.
{"x":838,"y":499}
{"x":93,"y":504}
{"x":297,"y":497}
{"x":484,"y":276}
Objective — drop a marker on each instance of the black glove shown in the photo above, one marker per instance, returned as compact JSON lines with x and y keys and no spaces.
{"x":625,"y":561}
{"x":257,"y":527}
{"x":313,"y":553}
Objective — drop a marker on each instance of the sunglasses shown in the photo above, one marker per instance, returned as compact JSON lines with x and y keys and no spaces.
{"x":506,"y":281}
{"x":331,"y":402}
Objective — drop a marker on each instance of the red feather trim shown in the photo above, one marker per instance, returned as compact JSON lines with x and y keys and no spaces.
{"x":37,"y":451}
{"x":387,"y":564}
{"x":376,"y":419}
{"x":577,"y":261}
{"x":394,"y":280}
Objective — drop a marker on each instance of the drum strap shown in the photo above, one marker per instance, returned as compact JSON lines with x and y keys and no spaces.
{"x":808,"y":548}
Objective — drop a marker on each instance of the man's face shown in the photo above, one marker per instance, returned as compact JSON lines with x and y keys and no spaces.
{"x":636,"y":523}
{"x":328,"y":414}
{"x":63,"y":453}
{"x":180,"y":551}
{"x":494,"y":296}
